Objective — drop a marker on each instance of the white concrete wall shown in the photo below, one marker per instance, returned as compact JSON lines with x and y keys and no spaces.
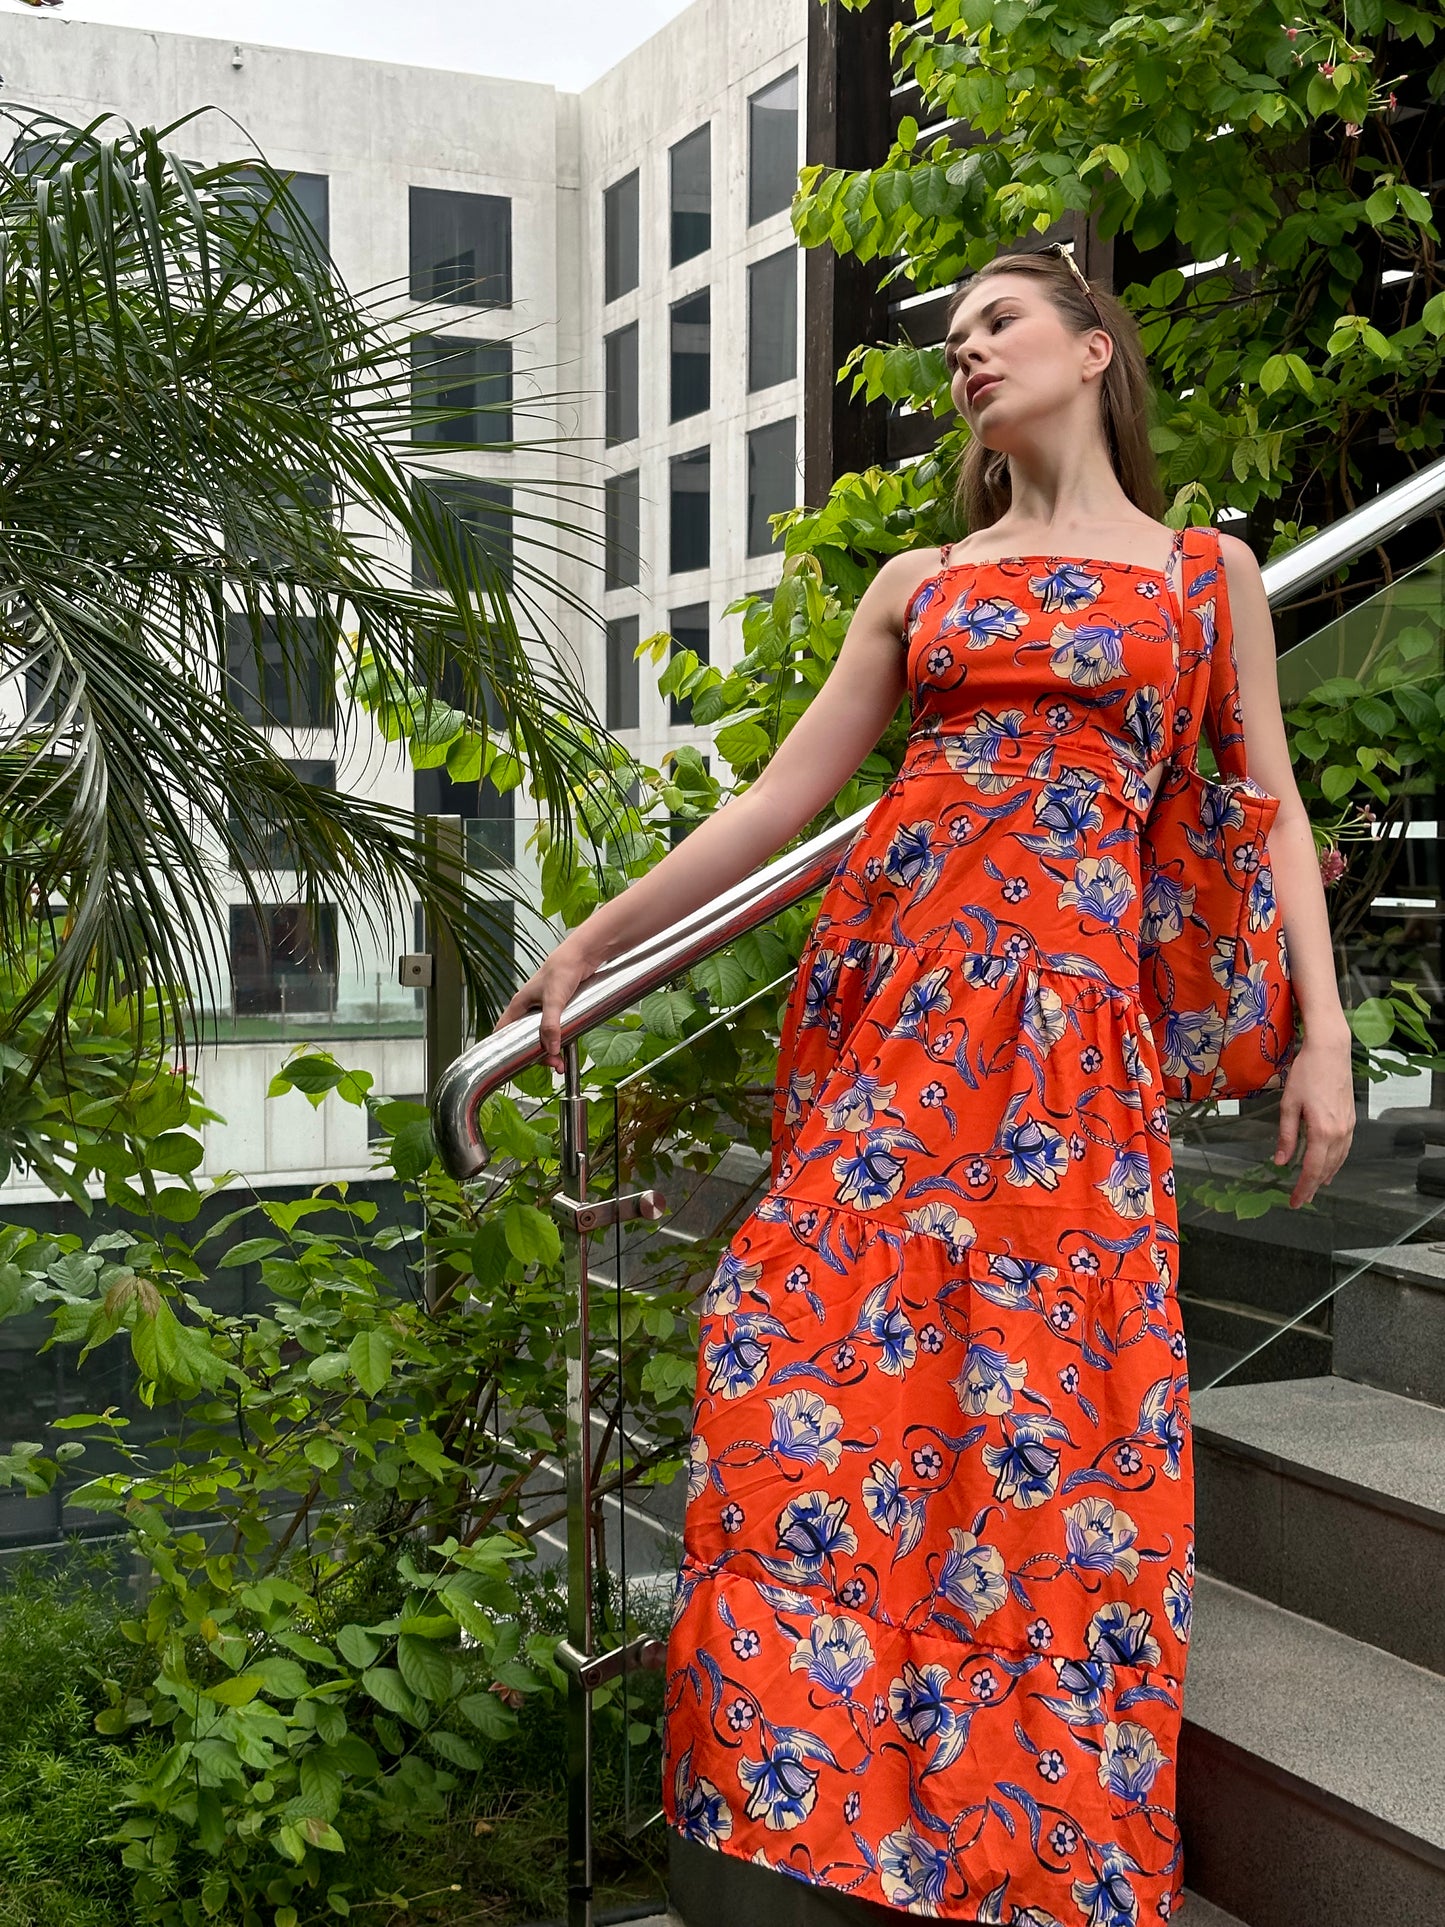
{"x":702,"y":67}
{"x":375,"y":130}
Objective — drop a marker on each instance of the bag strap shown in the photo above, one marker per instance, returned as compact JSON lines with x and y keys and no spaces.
{"x":1208,"y":692}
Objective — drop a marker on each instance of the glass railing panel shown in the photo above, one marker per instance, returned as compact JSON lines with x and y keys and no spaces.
{"x":693,"y":1123}
{"x":1260,"y":1283}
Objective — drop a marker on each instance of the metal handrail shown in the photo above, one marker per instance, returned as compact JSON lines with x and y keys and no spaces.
{"x":788,"y":878}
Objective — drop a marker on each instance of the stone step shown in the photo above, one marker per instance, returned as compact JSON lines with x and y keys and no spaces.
{"x":1311,"y":1773}
{"x":1328,"y":1497}
{"x":1389,"y":1319}
{"x":1236,"y":1331}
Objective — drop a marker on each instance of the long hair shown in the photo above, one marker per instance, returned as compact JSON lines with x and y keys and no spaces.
{"x":1126,"y":399}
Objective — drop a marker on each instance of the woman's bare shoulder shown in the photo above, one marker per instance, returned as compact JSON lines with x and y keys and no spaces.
{"x":902,"y":575}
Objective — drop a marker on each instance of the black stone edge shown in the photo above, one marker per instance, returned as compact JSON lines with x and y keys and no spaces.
{"x":1311,"y":1793}
{"x":1368,"y":1496}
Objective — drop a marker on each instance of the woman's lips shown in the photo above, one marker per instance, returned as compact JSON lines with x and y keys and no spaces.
{"x":981,"y":387}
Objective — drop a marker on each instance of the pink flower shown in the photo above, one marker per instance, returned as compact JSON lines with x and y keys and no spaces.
{"x":1327,"y":67}
{"x":1392,"y":103}
{"x":1332,"y":867}
{"x":1352,"y":129}
{"x":1291,"y":33}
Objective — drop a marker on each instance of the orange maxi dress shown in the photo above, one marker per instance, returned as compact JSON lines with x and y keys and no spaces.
{"x":930,"y":1627}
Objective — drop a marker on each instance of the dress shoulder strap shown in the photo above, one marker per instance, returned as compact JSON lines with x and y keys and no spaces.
{"x":943,"y":555}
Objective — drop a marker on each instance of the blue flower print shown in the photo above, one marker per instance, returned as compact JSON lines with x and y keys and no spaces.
{"x":884,"y":1497}
{"x":821,"y":987}
{"x":1191,"y":1042}
{"x":1248,"y":1007}
{"x":1088,"y":656}
{"x":1084,"y":1683}
{"x":1025,"y":1467}
{"x":1042,"y":1017}
{"x":703,"y":1813}
{"x":835,"y":1654}
{"x":1179,"y":1603}
{"x":1100,"y":888}
{"x":1159,"y":1420}
{"x":861,"y":1102}
{"x":923,"y":600}
{"x":782,"y":1787}
{"x":1036,"y":1153}
{"x":697,"y":1466}
{"x":922,"y":1711}
{"x":1068,"y":587}
{"x":913,"y":1870}
{"x":1107,"y":1899}
{"x":910,"y":859}
{"x":1220,"y":811}
{"x":944,"y":1222}
{"x":888,"y":1327}
{"x":990,"y":619}
{"x":873,"y":1172}
{"x":806,"y":1430}
{"x":938,"y":661}
{"x":1131,"y":1761}
{"x":798,"y":1098}
{"x":988,"y":1380}
{"x":1261,"y":902}
{"x":814,"y":1529}
{"x":927,"y":996}
{"x":983,"y":971}
{"x":1144,"y":727}
{"x":737,"y":1361}
{"x":976,"y":752}
{"x":1016,"y":1283}
{"x":1127,"y":1186}
{"x":1066,"y":811}
{"x":972,"y":1576}
{"x":1166,"y":904}
{"x":1101,"y":1539}
{"x":732,"y":1278}
{"x":1122,"y":1637}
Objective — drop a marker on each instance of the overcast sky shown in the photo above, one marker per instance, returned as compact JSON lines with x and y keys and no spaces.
{"x":569,"y":42}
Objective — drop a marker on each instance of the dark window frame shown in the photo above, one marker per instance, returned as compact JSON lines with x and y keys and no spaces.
{"x":620,"y":384}
{"x":622,"y":530}
{"x":687,"y":634}
{"x":622,"y":676}
{"x":758,"y":541}
{"x":481,"y":421}
{"x":785,"y":367}
{"x":282,"y":689}
{"x":683,"y":539}
{"x":621,"y":236}
{"x":689,"y":228}
{"x":762,"y":206}
{"x":262,"y":992}
{"x":689,"y":372}
{"x":434,"y":277}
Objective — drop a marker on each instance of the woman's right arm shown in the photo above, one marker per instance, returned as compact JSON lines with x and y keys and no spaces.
{"x":825,"y":747}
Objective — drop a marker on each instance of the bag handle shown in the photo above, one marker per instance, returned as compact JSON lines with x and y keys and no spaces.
{"x":1209,"y":679}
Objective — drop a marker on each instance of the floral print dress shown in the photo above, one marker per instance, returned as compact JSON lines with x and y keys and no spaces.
{"x":930,"y":1626}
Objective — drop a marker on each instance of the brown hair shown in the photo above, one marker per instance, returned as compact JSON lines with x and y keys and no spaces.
{"x":1126,"y":397}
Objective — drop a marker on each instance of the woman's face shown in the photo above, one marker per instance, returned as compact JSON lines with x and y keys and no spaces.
{"x":1012,"y":361}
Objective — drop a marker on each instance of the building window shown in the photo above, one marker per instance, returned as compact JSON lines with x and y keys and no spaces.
{"x":461,"y":247}
{"x":689,"y":631}
{"x":496,"y":918}
{"x":690,"y":184}
{"x":690,"y":498}
{"x":677,"y":829}
{"x":691,"y":341}
{"x":263,"y":844}
{"x":621,"y":348}
{"x":281,"y":675}
{"x":622,"y":678}
{"x":310,"y":192}
{"x":283,"y":958}
{"x":479,"y":511}
{"x":772,"y":147}
{"x":461,"y":391}
{"x":619,"y":220}
{"x":489,"y":826}
{"x":773,"y":319}
{"x":622,"y":530}
{"x":772,"y":482}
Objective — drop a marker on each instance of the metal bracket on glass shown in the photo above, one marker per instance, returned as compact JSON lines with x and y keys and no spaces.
{"x":595,"y":1214}
{"x":595,"y":1669}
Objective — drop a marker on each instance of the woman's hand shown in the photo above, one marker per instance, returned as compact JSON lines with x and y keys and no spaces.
{"x":1318,"y":1093}
{"x":551,"y":989}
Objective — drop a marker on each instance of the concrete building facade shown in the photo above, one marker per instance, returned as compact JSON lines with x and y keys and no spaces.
{"x":643,"y":306}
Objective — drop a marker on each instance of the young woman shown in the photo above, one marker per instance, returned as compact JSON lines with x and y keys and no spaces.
{"x":931,"y":1623}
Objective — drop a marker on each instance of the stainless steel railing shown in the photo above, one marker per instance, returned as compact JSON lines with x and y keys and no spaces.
{"x":648,"y":965}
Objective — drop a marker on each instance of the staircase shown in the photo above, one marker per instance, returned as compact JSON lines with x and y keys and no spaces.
{"x":1312,"y":1768}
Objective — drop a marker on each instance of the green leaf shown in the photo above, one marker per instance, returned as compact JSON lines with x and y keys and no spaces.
{"x":357,"y":1646}
{"x":320,"y":1786}
{"x":1337,"y":781}
{"x":452,"y":1747}
{"x":371,"y":1353}
{"x":387,"y":1687}
{"x":1372,"y":1022}
{"x":412,"y":1150}
{"x":488,"y":1714}
{"x":238,"y":1691}
{"x":426,"y":1669}
{"x":531,"y":1234}
{"x":281,"y":1678}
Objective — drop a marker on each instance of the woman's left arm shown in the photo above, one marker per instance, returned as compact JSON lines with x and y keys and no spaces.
{"x":1318,"y":1090}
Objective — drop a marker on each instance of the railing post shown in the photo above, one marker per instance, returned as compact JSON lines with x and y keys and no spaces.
{"x":578,"y":1458}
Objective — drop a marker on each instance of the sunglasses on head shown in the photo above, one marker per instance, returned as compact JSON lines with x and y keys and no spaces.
{"x":1058,"y":248}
